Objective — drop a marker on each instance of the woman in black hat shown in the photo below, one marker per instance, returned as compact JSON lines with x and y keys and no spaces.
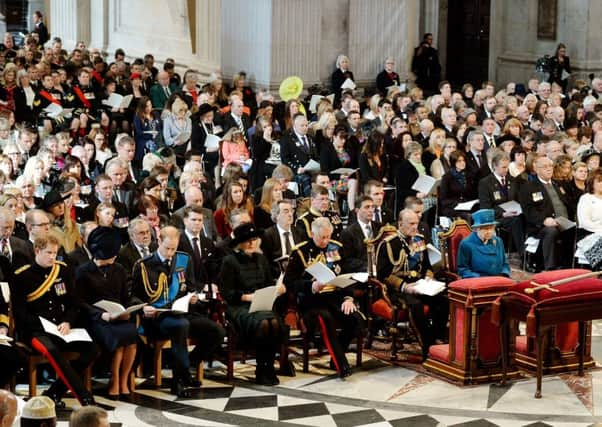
{"x":102,"y":279}
{"x":243,"y":272}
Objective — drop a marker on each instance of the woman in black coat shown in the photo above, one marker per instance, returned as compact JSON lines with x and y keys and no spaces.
{"x":456,"y":187}
{"x":373,"y":161}
{"x":103,"y":279}
{"x":339,"y":76}
{"x":407,"y":174}
{"x":23,"y":96}
{"x":265,"y":151}
{"x":337,"y":154}
{"x":243,"y":272}
{"x":559,"y":65}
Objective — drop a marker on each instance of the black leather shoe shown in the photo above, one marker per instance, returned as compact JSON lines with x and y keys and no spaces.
{"x":192,"y":383}
{"x":287,"y":369}
{"x":345,"y":371}
{"x":263,"y":376}
{"x":88,"y":401}
{"x":179,"y":389}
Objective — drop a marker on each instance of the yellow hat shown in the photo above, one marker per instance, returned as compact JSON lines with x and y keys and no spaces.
{"x":290,"y":88}
{"x":39,"y":407}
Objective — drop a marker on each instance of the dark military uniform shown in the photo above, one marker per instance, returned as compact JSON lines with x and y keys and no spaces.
{"x":42,"y":100}
{"x":303,"y":223}
{"x":160,"y":284}
{"x":84,"y":99}
{"x":323,"y":309}
{"x":402,"y":260}
{"x":49,"y":293}
{"x":8,"y":355}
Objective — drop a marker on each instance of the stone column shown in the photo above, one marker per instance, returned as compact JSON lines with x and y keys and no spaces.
{"x":70,"y":20}
{"x":99,"y":24}
{"x":388,"y":29}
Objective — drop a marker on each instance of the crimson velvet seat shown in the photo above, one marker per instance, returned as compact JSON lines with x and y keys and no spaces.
{"x":473,"y":354}
{"x":557,"y":335}
{"x":560,"y":352}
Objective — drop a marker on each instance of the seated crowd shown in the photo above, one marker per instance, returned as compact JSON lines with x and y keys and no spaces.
{"x":204,"y":190}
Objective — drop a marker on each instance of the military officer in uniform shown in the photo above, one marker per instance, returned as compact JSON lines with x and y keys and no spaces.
{"x":8,"y":354}
{"x":46,"y":96}
{"x":319,"y":203}
{"x":324,"y":305}
{"x":402,"y":260}
{"x":296,"y":149}
{"x":83,"y":98}
{"x":160,"y":279}
{"x":45,"y":289}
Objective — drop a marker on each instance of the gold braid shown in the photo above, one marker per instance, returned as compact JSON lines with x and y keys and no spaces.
{"x":154,"y":294}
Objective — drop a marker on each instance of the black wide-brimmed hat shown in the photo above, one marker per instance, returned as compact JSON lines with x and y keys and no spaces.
{"x":53,"y":197}
{"x":104,"y":242}
{"x":205,"y":108}
{"x":245,"y":232}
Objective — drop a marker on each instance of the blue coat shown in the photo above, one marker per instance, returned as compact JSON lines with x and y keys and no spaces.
{"x":475,"y":259}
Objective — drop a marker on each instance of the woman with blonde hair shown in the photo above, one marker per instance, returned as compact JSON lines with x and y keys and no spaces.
{"x":323,"y":130}
{"x":434,"y":149}
{"x":271,"y":192}
{"x":177,"y":128}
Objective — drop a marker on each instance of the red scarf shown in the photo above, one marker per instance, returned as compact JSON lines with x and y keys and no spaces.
{"x":97,"y":76}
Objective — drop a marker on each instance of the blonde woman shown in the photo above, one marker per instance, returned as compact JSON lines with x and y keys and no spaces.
{"x":177,"y":128}
{"x":271,"y":192}
{"x":435,"y":148}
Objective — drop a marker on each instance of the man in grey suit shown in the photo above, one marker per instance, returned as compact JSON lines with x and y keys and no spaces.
{"x":193,"y":196}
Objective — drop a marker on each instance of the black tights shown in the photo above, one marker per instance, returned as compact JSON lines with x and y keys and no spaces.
{"x":267,"y":338}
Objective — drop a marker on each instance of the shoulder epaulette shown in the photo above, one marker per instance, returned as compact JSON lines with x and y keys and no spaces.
{"x":61,"y":263}
{"x":22,"y":268}
{"x":391,"y":237}
{"x":303,"y":215}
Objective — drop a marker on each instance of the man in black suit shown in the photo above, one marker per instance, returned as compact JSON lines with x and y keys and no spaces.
{"x":543,"y":202}
{"x":382,"y":215}
{"x":38,"y":225}
{"x":498,"y":188}
{"x":193,"y":196}
{"x":296,"y":149}
{"x":355,"y":255}
{"x":104,"y":194}
{"x":139,"y":245}
{"x":476,"y":160}
{"x":40,"y":28}
{"x":123,"y":191}
{"x":275,"y":242}
{"x":202,"y":251}
{"x":82,"y":254}
{"x":125,"y":146}
{"x":236,"y":118}
{"x":9,"y":245}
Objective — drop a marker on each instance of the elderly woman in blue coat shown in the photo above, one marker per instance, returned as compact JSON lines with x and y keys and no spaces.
{"x":482,"y":252}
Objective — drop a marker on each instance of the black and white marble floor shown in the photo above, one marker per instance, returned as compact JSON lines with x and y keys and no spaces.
{"x":378,"y":394}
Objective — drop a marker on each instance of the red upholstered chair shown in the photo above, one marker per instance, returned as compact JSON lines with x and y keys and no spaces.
{"x":473,"y":352}
{"x":449,"y":243}
{"x":561,"y":341}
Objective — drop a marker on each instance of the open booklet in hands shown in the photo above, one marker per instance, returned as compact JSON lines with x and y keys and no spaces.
{"x":115,"y":310}
{"x":428,"y":286}
{"x":326,"y":276}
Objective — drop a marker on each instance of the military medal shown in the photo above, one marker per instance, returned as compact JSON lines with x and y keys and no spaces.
{"x":59,"y":288}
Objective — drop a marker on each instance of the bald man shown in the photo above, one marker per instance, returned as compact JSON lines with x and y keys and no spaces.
{"x":8,"y":408}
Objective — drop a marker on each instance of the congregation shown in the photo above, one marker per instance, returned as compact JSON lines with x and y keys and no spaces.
{"x":128,"y":184}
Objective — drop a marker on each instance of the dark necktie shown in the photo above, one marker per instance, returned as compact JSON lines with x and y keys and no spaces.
{"x":167,"y":265}
{"x":377,"y":217}
{"x":305,"y":144}
{"x":478,"y":158}
{"x":369,"y":233}
{"x":145,"y":251}
{"x":287,"y":242}
{"x":196,"y":254}
{"x":504,"y":182}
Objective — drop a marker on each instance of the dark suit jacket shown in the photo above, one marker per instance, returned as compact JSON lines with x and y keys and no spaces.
{"x":537,"y":205}
{"x":128,"y":255}
{"x":210,"y":264}
{"x":492,"y":194}
{"x":23,"y":113}
{"x":177,"y":220}
{"x":474,"y":172}
{"x":272,"y":247}
{"x":451,"y":193}
{"x":329,"y":159}
{"x":77,"y":257}
{"x":386,"y":216}
{"x":355,"y":254}
{"x":293,"y":153}
{"x":406,"y":177}
{"x":229,"y":122}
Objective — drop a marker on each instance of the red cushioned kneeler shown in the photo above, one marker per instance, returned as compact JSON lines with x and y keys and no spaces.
{"x":561,"y":344}
{"x":473,"y":353}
